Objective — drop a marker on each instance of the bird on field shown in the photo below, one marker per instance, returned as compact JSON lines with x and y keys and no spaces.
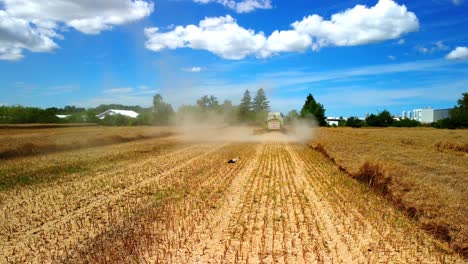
{"x":233,"y":160}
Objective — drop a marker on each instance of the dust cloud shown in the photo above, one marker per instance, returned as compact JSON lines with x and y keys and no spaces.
{"x":214,"y":128}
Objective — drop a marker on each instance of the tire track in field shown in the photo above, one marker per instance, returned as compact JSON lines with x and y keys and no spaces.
{"x":24,"y":238}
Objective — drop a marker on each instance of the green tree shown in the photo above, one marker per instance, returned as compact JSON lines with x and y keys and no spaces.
{"x":341,"y":122}
{"x":245,"y":107}
{"x":23,"y":115}
{"x":354,"y":122}
{"x":260,"y":107}
{"x":208,"y":103}
{"x":162,"y":112}
{"x":228,"y":111}
{"x":291,"y":116}
{"x":405,"y":122}
{"x":312,"y":109}
{"x":260,"y":103}
{"x":459,"y":114}
{"x":145,"y":118}
{"x":382,"y":119}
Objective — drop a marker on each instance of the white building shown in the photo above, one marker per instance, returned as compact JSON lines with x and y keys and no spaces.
{"x":333,"y":121}
{"x":426,"y":115}
{"x":128,"y":113}
{"x":62,"y":116}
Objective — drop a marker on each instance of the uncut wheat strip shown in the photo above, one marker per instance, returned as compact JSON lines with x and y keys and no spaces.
{"x":347,"y":219}
{"x":69,"y":196}
{"x":423,"y":196}
{"x":96,"y":203}
{"x":345,"y":206}
{"x":378,"y":226}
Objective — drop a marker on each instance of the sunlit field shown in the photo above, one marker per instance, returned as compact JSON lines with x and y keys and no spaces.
{"x":422,"y":171}
{"x":162,"y":198}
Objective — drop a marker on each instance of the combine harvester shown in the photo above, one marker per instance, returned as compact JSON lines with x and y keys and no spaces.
{"x":275,"y":121}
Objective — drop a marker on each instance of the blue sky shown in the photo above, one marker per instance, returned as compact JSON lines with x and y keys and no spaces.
{"x":372,"y":55}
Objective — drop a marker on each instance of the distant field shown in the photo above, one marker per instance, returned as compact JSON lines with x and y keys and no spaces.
{"x":23,"y":140}
{"x":39,"y":125}
{"x":423,"y":171}
{"x":163,"y":199}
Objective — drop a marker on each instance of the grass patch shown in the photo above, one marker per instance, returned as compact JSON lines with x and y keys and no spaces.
{"x":162,"y":196}
{"x":12,"y":179}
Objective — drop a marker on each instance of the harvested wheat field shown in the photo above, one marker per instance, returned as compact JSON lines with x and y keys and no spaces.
{"x":169,"y":200}
{"x":422,"y":171}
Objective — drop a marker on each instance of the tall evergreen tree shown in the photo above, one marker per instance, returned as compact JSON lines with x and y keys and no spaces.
{"x":315,"y":109}
{"x":245,"y":107}
{"x":260,"y":103}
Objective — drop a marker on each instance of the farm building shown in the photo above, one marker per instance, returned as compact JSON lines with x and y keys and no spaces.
{"x":333,"y":121}
{"x":275,"y":120}
{"x":427,"y":115}
{"x":127,"y":113}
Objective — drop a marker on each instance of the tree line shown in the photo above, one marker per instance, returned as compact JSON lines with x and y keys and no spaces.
{"x":249,"y":111}
{"x":458,"y":119}
{"x":161,"y":113}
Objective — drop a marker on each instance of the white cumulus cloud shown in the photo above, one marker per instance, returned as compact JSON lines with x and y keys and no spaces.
{"x":17,"y":34}
{"x":224,"y":37}
{"x":219,"y":35}
{"x":244,"y":6}
{"x":34,"y":24}
{"x":460,"y":53}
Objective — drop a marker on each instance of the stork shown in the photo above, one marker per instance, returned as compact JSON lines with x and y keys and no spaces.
{"x":233,"y":160}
